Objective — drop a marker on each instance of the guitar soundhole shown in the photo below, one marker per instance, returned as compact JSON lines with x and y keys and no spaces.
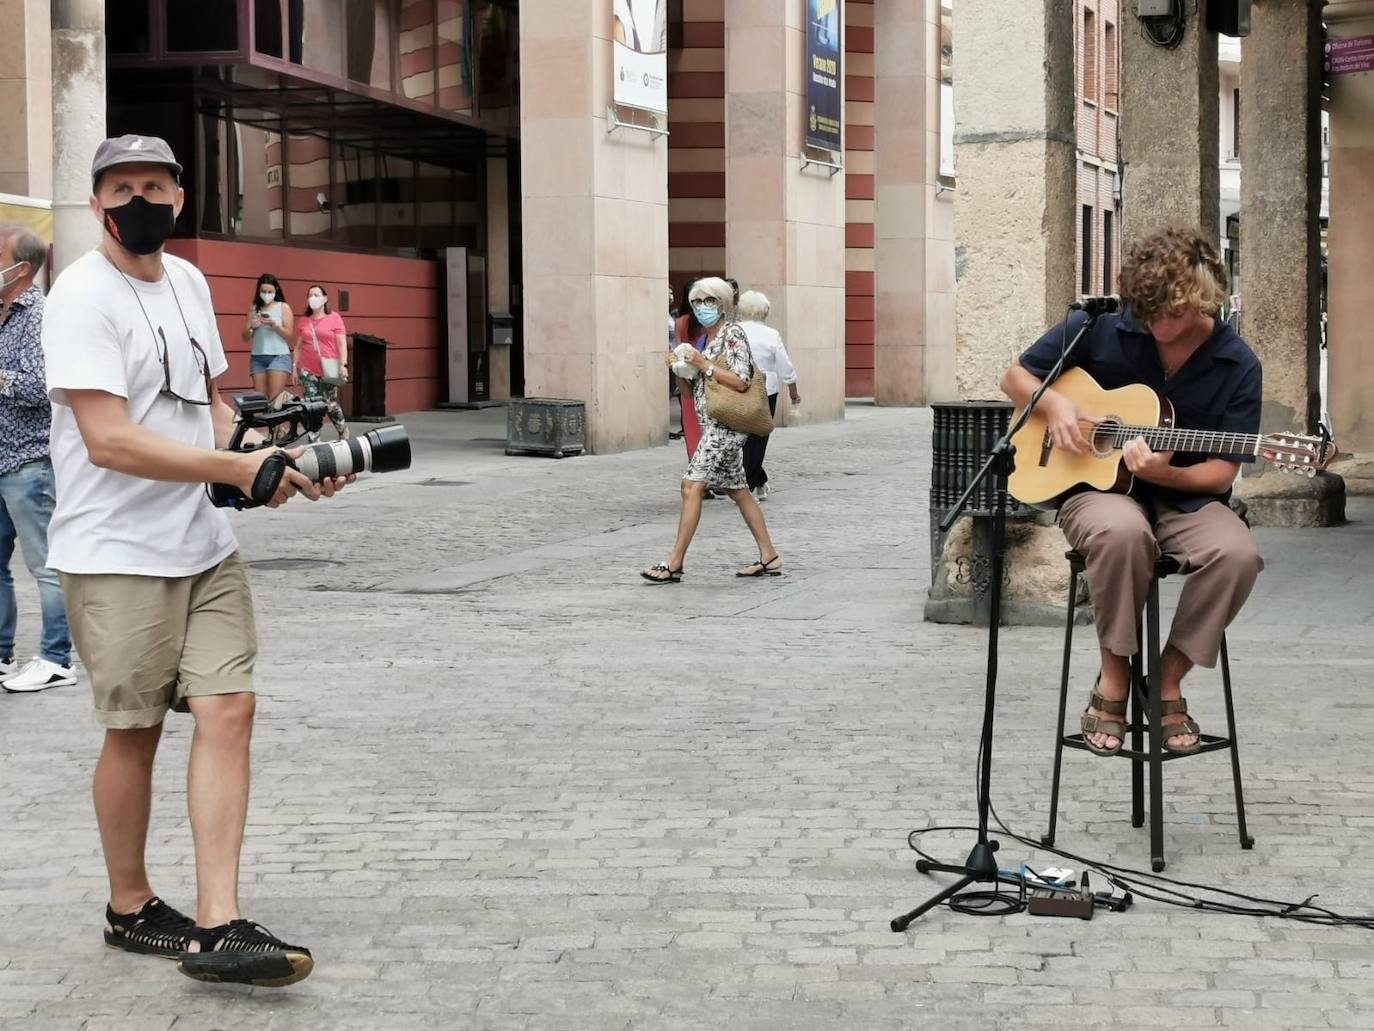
{"x":1104,"y":436}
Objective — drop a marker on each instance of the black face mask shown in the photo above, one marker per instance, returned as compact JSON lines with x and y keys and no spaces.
{"x":139,"y":226}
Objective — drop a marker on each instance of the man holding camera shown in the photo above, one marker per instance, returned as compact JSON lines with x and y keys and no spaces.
{"x":158,"y":600}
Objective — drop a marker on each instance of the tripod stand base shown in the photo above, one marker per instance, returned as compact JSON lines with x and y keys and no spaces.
{"x":980,"y":867}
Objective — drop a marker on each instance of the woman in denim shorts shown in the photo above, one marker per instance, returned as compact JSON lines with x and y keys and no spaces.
{"x":269,"y":327}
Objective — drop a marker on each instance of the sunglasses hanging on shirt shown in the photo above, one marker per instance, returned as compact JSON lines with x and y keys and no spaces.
{"x":164,"y":355}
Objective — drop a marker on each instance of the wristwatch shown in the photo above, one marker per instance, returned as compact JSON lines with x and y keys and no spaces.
{"x":710,"y":372}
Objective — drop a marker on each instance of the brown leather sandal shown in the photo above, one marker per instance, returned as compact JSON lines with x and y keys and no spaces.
{"x":1187,"y":725}
{"x":1097,"y":725}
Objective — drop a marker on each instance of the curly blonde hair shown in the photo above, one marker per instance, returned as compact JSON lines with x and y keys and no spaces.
{"x":1170,"y":272}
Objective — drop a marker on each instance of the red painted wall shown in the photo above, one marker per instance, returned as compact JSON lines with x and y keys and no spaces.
{"x":397,"y":299}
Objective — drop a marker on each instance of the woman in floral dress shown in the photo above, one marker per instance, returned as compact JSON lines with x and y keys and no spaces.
{"x":718,"y":463}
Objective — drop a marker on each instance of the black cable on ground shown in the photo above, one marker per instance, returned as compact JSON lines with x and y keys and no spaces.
{"x":1148,"y":885}
{"x":1156,"y":887}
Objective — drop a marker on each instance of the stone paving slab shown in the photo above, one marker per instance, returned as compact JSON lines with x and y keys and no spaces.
{"x":500,"y":783}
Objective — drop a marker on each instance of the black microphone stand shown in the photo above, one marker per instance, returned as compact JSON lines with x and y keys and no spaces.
{"x":981,"y":866}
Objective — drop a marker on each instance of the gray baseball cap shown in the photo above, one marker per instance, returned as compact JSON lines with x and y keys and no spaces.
{"x":133,"y":150}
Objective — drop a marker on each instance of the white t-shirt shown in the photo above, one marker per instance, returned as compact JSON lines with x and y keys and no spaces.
{"x":97,"y":337}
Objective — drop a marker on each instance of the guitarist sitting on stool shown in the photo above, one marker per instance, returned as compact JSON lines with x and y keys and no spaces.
{"x":1169,"y":338}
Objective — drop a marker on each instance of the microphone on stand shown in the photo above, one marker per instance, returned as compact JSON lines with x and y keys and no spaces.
{"x":1110,"y":304}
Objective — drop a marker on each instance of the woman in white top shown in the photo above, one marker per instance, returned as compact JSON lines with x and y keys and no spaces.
{"x":770,"y":355}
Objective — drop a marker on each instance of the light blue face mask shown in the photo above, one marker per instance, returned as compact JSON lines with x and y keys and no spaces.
{"x":708,"y":315}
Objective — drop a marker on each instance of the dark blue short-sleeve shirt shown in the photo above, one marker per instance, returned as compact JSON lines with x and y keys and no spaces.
{"x":1218,"y":388}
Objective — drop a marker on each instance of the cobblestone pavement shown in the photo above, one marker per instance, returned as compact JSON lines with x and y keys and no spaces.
{"x":502,"y":783}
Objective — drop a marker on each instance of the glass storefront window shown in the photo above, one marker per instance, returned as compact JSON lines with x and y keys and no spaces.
{"x":454,"y":56}
{"x":416,"y":48}
{"x":308,"y":176}
{"x":128,"y":31}
{"x":497,"y":45}
{"x":203,"y":27}
{"x":355,"y":197}
{"x":370,"y":42}
{"x":434,"y":197}
{"x":267,"y":27}
{"x":396,"y":201}
{"x":259,"y":195}
{"x":317,"y":35}
{"x":215,"y":176}
{"x":469,"y":210}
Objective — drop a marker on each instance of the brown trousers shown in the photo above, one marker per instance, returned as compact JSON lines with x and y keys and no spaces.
{"x":1121,"y":541}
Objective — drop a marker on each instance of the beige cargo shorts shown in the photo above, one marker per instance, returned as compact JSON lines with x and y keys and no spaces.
{"x":149,"y":642}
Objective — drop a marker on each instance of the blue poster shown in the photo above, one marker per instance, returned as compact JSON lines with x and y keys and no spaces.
{"x":823,"y":111}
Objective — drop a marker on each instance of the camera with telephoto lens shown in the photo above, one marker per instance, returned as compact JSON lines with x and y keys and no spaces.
{"x":383,"y":450}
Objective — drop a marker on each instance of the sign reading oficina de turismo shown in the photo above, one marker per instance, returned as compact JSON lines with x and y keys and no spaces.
{"x":639,"y":35}
{"x":823,"y":74}
{"x":1350,"y":55}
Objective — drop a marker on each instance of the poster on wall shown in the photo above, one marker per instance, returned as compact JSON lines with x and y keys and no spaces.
{"x":823,"y":74}
{"x":639,"y":35}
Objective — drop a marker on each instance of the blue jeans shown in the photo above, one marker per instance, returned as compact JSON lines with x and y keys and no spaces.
{"x":26,"y":504}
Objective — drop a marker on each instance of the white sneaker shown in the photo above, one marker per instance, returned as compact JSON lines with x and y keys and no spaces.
{"x":761,"y":493}
{"x":39,"y":675}
{"x":8,"y":667}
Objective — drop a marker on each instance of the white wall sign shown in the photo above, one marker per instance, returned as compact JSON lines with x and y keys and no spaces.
{"x":639,"y":34}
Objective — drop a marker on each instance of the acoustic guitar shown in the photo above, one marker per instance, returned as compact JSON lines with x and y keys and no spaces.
{"x":1044,"y":473}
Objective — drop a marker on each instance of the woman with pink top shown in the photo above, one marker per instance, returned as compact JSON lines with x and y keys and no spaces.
{"x":322,"y":340}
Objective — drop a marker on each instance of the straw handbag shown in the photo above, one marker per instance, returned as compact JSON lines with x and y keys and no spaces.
{"x":745,"y":412}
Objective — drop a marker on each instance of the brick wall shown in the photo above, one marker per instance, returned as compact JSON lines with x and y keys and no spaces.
{"x":696,"y":146}
{"x":1097,"y":44}
{"x":859,"y":205}
{"x":396,"y":299}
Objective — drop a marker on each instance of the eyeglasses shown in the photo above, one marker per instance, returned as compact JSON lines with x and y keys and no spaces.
{"x":201,"y":360}
{"x":704,"y":302}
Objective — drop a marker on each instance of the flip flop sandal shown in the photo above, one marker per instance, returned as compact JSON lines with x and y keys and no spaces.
{"x":1093,"y":724}
{"x":773,"y":567}
{"x":1187,"y":725}
{"x":661,"y":574}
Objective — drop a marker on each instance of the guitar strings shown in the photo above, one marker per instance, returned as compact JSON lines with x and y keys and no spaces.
{"x":1214,"y":441}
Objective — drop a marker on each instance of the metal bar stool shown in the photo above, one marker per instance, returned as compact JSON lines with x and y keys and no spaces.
{"x":1144,"y":720}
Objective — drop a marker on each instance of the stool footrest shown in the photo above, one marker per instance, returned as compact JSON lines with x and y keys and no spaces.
{"x":1210,"y":743}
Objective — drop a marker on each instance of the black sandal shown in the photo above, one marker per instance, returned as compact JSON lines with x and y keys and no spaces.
{"x":242,"y":952}
{"x":770,"y":567}
{"x":661,"y":574}
{"x":1187,"y":725}
{"x":155,"y":930}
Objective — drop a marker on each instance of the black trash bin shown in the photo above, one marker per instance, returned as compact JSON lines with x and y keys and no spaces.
{"x":367,"y":360}
{"x":964,"y":433}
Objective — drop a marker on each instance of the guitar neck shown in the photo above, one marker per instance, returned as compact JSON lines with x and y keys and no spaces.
{"x":1162,"y":438}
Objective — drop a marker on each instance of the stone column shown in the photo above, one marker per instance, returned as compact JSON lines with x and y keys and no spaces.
{"x":1280,"y":234}
{"x":913,"y":227}
{"x":784,"y":225}
{"x":1014,"y":212}
{"x":1350,"y":252}
{"x":78,"y":123}
{"x":1169,"y":128}
{"x":594,"y":229}
{"x":1014,"y":224}
{"x":26,"y":99}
